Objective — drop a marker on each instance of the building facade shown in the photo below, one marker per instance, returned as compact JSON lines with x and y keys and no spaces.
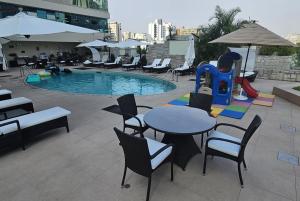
{"x":294,"y":38}
{"x":136,"y":36}
{"x":186,"y":31}
{"x":92,"y":14}
{"x":159,"y":30}
{"x":115,"y":30}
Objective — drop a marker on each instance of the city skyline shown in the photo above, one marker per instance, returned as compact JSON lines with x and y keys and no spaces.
{"x":278,"y":15}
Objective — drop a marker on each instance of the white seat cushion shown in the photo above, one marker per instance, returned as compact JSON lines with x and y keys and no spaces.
{"x":14,"y":102}
{"x":4,"y":92}
{"x":34,"y":119}
{"x":153,"y":147}
{"x":87,"y":62}
{"x":134,"y":122}
{"x":127,"y":65}
{"x":225,"y":147}
{"x":149,"y":66}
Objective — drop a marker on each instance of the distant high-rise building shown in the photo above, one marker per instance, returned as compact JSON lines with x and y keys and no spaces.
{"x":115,"y":30}
{"x":159,"y":30}
{"x":135,"y":36}
{"x":294,"y":38}
{"x":186,"y":31}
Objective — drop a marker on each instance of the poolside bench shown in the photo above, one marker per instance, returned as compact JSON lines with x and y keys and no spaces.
{"x":33,"y":124}
{"x":5,"y":94}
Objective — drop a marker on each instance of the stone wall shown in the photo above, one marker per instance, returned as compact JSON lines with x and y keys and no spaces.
{"x":161,"y":51}
{"x":275,"y":63}
{"x":276,"y":68}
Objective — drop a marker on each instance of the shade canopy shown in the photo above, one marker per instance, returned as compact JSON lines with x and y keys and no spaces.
{"x":190,"y":53}
{"x":130,"y":43}
{"x":253,"y":34}
{"x":23,"y":24}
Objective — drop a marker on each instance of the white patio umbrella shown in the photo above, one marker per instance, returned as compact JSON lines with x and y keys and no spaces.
{"x":95,"y":43}
{"x":23,"y":24}
{"x":190,"y":53}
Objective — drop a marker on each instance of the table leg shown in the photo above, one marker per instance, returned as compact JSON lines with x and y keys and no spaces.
{"x":185,"y":148}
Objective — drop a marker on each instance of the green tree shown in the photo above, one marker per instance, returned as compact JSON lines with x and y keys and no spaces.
{"x":223,"y":22}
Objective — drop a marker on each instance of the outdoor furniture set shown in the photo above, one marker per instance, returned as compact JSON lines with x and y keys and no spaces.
{"x":178,"y":124}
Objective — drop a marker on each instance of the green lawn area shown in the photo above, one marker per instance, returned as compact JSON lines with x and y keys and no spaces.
{"x":297,"y":88}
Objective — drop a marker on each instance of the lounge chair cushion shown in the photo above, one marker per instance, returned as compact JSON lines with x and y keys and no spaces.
{"x":34,"y":119}
{"x":87,"y":62}
{"x":153,"y":147}
{"x":14,"y":102}
{"x":225,"y":147}
{"x":156,"y":62}
{"x":134,"y":122}
{"x":4,"y":92}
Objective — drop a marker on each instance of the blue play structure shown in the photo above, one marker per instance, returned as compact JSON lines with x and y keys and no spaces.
{"x":220,"y":83}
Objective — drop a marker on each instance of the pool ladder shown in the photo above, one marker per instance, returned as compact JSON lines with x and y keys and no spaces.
{"x":25,"y":70}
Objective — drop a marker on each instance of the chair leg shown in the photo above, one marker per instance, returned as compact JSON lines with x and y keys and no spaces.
{"x":244,"y":163}
{"x":124,"y":175}
{"x":240,"y":175}
{"x":172,"y":171}
{"x":148,"y":189}
{"x":204,"y":164}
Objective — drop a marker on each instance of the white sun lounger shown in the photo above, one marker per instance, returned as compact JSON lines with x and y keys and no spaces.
{"x":5,"y":94}
{"x":155,"y":62}
{"x":133,"y":64}
{"x":16,"y":103}
{"x":113,"y":64}
{"x":35,"y":123}
{"x":164,"y":66}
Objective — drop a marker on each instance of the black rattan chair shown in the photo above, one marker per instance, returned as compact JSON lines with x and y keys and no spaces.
{"x":226,"y":146}
{"x":131,"y":118}
{"x":203,"y":102}
{"x":143,"y":155}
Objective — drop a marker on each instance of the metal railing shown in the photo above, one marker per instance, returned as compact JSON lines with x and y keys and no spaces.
{"x":25,"y":70}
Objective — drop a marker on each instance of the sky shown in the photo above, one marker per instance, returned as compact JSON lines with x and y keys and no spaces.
{"x":279,"y":16}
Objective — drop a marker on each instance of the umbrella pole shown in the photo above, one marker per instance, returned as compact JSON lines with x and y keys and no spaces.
{"x":241,"y":96}
{"x":246,"y":63}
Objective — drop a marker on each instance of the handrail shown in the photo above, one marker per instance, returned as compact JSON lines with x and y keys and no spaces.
{"x":25,"y":70}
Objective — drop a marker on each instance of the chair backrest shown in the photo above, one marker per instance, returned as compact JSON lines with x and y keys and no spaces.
{"x":156,"y":62}
{"x":254,"y":125}
{"x":118,"y":60}
{"x":166,"y":62}
{"x":136,"y":60}
{"x":185,"y":65}
{"x":201,"y":101}
{"x":104,"y":58}
{"x":127,"y":106}
{"x":136,"y":152}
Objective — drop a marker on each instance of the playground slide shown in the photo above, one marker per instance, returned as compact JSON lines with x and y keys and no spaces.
{"x":251,"y":92}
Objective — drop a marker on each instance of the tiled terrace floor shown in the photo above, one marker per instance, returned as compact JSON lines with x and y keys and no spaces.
{"x":86,"y":164}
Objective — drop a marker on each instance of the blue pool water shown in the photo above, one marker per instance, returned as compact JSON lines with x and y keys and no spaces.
{"x":109,"y":83}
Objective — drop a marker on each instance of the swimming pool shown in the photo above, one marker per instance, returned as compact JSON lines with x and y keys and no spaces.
{"x":105,"y":83}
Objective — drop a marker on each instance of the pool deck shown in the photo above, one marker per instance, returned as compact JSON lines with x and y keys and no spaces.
{"x":87,"y":163}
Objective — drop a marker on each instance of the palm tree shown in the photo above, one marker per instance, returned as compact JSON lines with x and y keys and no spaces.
{"x":224,"y":22}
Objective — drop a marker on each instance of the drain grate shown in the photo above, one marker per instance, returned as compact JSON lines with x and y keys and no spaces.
{"x":287,"y":128}
{"x":291,"y":159}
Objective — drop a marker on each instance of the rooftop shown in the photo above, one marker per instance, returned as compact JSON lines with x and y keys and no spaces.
{"x":87,"y":163}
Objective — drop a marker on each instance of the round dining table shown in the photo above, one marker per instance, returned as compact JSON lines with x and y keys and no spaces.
{"x":179,"y":124}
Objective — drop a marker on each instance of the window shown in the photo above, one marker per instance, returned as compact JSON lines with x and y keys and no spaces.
{"x":94,"y":4}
